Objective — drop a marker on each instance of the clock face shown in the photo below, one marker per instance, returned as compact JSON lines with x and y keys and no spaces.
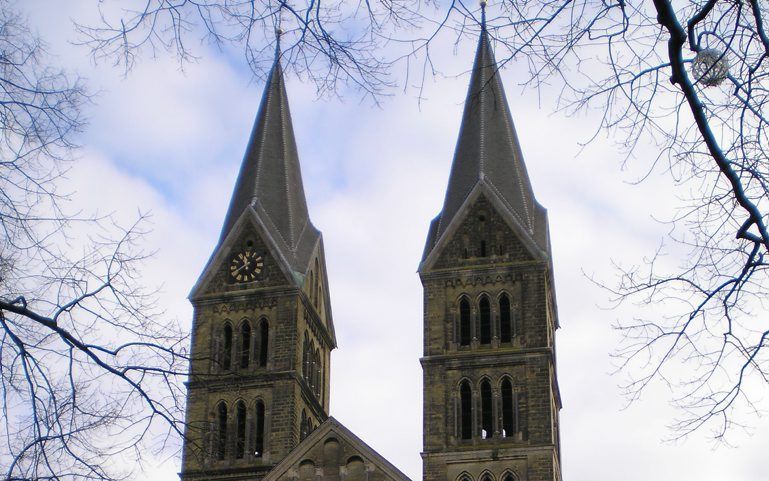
{"x":246,"y":266}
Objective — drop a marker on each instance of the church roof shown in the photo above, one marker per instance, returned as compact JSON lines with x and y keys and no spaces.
{"x":488,"y":154}
{"x":311,"y":450}
{"x":270,"y":179}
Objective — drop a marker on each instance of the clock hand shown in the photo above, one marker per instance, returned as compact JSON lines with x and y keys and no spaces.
{"x":240,"y":268}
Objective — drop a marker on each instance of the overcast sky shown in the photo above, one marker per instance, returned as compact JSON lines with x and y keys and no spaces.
{"x":171,"y":142}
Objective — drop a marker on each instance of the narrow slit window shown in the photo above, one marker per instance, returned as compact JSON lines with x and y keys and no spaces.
{"x":245,"y":345}
{"x":508,"y":409}
{"x":466,"y":411}
{"x":505,"y":320}
{"x":485,"y":312}
{"x":303,"y":426}
{"x":487,"y":416}
{"x":227,"y":353}
{"x":318,"y":369}
{"x":221,"y":432}
{"x":464,"y":323}
{"x":259,"y":430}
{"x":264,"y":342}
{"x":240,"y":430}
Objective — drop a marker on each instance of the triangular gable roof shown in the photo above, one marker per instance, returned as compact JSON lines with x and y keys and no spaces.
{"x":255,"y":217}
{"x":432,"y":251}
{"x":333,"y":428}
{"x":252,"y":217}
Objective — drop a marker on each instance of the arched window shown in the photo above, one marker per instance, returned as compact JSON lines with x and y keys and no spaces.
{"x":245,"y":344}
{"x":303,"y":429}
{"x":509,"y":409}
{"x":221,"y":430}
{"x":259,"y":429}
{"x":306,"y":356}
{"x":509,"y":477}
{"x":322,"y":395}
{"x":486,"y":477}
{"x":465,"y":411}
{"x":464,"y":323}
{"x":485,"y":314}
{"x":505,"y":320}
{"x":487,"y":415}
{"x":311,"y":366}
{"x":312,"y":287}
{"x":240,"y":430}
{"x":227,"y":351}
{"x":317,"y":373}
{"x":264,"y":342}
{"x":356,"y":469}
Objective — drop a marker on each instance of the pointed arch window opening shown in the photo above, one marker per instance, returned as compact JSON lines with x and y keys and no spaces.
{"x":305,"y":356}
{"x":510,"y":412}
{"x":311,"y":287}
{"x":465,"y":411}
{"x":221,"y":431}
{"x":245,"y":345}
{"x":487,"y":413}
{"x":227,"y":347}
{"x":465,"y":329}
{"x":264,"y":342}
{"x":316,"y":374}
{"x":259,"y":429}
{"x":311,"y":366}
{"x":303,"y":428}
{"x":506,"y":328}
{"x":240,"y":430}
{"x":485,"y":317}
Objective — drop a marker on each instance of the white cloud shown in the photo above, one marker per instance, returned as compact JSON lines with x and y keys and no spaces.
{"x":172,"y":142}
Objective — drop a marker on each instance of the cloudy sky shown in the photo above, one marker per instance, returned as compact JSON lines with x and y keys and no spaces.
{"x":170,"y":142}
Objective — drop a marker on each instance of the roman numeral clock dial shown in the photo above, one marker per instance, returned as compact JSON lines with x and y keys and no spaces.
{"x":246,"y":266}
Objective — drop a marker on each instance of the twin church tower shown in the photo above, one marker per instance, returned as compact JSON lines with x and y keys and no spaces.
{"x":263,"y":331}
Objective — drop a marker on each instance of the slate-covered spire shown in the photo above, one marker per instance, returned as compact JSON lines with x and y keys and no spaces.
{"x":270,"y":179}
{"x":488,"y":153}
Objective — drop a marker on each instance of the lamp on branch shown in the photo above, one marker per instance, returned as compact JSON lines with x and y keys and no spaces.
{"x":710,"y":67}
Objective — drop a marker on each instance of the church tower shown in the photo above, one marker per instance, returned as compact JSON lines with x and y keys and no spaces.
{"x":262,"y":330}
{"x":491,"y":397}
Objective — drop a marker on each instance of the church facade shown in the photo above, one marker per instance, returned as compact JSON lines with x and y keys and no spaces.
{"x":263,"y":331}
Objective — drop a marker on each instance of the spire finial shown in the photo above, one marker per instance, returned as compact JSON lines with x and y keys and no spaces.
{"x":278,"y":31}
{"x":278,"y":34}
{"x":483,"y":14}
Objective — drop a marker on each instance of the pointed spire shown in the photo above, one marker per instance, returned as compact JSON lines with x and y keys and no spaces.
{"x":270,"y":179}
{"x":488,"y":151}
